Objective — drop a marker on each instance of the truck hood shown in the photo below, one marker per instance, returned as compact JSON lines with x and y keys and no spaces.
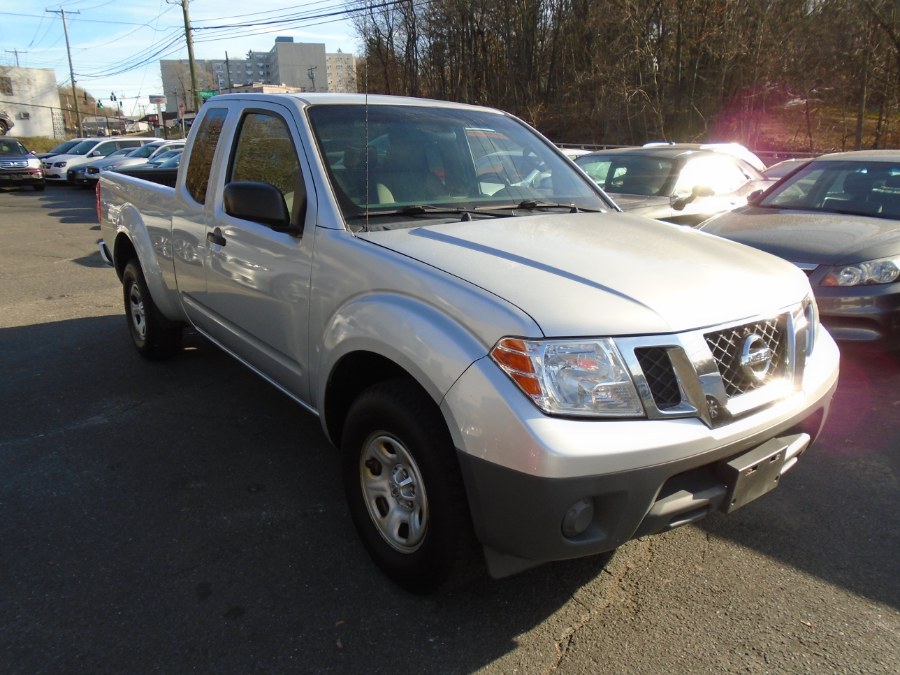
{"x":811,"y":237}
{"x":605,"y":274}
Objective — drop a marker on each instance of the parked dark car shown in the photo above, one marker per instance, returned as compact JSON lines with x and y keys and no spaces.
{"x":60,"y":149}
{"x":87,"y":174}
{"x":18,"y":166}
{"x":838,"y":219}
{"x":671,"y":182}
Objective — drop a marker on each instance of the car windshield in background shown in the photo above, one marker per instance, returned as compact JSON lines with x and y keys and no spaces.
{"x":865,"y":188}
{"x":82,"y":148}
{"x":629,"y":174}
{"x":402,"y":163}
{"x":11,"y":148}
{"x":63,"y":147}
{"x":145,"y":150}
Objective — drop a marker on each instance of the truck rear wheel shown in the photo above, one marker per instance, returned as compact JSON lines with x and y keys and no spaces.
{"x":154,"y":336}
{"x":404,"y":488}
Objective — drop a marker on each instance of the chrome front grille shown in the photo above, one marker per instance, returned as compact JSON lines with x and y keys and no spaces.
{"x":722,"y":373}
{"x":13,"y":163}
{"x":729,"y":348}
{"x":660,"y":376}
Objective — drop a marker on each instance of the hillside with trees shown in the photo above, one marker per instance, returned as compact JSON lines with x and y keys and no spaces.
{"x":810,"y":75}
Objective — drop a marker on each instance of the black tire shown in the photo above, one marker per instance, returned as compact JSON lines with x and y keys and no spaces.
{"x":412,"y":517}
{"x":154,"y":336}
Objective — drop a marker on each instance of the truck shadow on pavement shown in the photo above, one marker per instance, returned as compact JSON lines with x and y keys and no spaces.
{"x":71,"y":204}
{"x":187,"y":516}
{"x":836,"y":514}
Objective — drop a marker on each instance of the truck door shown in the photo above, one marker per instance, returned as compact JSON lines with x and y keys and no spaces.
{"x":188,"y":246}
{"x":257,"y":277}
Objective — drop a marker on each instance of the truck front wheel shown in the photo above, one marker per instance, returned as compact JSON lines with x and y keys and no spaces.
{"x":154,"y":336}
{"x":404,"y":488}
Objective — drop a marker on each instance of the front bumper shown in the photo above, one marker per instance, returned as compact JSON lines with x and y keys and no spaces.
{"x":75,"y":177}
{"x":868,"y":314}
{"x":23,"y":177}
{"x":54,"y":173}
{"x":529,"y":476}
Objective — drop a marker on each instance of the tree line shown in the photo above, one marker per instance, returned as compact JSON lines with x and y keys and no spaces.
{"x":774,"y":74}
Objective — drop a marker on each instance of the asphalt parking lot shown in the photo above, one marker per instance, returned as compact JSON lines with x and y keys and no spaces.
{"x":187,"y":517}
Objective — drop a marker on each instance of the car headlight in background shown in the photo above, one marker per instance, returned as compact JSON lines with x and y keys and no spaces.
{"x":883,"y":271}
{"x":60,"y":165}
{"x":586,"y":378}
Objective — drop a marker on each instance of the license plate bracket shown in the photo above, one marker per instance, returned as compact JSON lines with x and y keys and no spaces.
{"x":752,"y":474}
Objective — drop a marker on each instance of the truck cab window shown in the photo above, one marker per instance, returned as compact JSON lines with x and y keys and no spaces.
{"x":264,"y":152}
{"x":202,"y":152}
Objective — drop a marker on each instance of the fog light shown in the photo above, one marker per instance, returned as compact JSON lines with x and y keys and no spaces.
{"x":578,"y":518}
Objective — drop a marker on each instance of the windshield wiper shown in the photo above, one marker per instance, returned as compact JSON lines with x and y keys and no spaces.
{"x":535,"y":204}
{"x":425,"y":209}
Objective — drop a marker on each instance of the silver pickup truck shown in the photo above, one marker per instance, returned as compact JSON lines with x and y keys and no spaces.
{"x":515,"y":372}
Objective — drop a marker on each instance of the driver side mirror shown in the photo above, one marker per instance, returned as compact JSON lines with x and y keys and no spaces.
{"x":755,"y":197}
{"x":678,"y":203}
{"x":258,"y":201}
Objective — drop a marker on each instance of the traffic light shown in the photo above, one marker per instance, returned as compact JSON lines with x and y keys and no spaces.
{"x":99,"y":104}
{"x":112,"y":96}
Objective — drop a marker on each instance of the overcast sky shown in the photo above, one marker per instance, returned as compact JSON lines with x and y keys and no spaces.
{"x":116,"y":45}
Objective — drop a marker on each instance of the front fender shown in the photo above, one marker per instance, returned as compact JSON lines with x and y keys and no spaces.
{"x":425,"y":342}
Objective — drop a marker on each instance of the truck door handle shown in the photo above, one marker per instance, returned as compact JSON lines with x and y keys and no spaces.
{"x":215,"y":237}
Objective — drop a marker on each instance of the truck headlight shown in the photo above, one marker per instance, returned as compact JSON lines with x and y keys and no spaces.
{"x":811,"y":314}
{"x":34,"y":163}
{"x":882,"y":271}
{"x":585,"y":378}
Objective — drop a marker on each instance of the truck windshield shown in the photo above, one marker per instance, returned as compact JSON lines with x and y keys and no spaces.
{"x":383,"y":158}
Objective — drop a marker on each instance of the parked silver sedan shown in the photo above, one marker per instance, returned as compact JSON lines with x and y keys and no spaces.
{"x":838,"y":219}
{"x":683,"y":185}
{"x":87,"y":174}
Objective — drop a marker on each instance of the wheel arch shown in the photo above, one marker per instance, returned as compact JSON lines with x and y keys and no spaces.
{"x":133,"y":241}
{"x":351,"y":376}
{"x":123,"y":251}
{"x":383,"y":336}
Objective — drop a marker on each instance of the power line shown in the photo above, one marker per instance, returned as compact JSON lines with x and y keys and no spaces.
{"x":260,"y":23}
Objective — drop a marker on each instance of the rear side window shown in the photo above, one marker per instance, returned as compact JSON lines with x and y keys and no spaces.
{"x":202,"y":153}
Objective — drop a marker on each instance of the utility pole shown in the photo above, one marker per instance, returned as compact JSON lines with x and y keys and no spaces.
{"x":62,"y":13}
{"x":16,"y":52}
{"x":228,"y":72}
{"x":190,"y":49}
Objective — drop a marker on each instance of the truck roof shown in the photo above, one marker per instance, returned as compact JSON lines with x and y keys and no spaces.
{"x":323,"y":98}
